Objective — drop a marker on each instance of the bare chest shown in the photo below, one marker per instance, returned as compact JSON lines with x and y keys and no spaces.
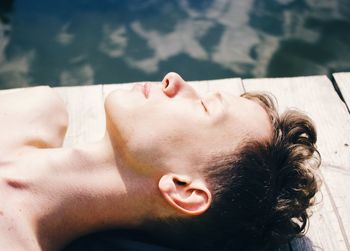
{"x":15,"y":228}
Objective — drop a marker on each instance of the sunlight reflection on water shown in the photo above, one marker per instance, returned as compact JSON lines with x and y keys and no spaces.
{"x":84,"y":41}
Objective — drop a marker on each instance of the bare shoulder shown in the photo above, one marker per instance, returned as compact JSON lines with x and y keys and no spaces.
{"x":32,"y":117}
{"x":34,"y":95}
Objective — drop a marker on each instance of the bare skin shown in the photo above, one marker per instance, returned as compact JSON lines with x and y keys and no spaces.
{"x":51,"y":195}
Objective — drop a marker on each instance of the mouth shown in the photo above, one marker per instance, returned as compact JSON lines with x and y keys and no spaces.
{"x":146,"y":89}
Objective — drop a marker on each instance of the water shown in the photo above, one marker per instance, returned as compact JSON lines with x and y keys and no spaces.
{"x":78,"y":42}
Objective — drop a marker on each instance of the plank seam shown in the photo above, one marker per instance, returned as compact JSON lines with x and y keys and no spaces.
{"x":336,"y":212}
{"x":242,"y":84}
{"x":338,"y":91}
{"x":103,"y":91}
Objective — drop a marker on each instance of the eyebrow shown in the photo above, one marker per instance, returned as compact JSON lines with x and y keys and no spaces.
{"x":260,"y":98}
{"x":269,"y":108}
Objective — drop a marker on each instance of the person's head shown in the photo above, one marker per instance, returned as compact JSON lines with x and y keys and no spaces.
{"x":230,"y":161}
{"x":174,"y":133}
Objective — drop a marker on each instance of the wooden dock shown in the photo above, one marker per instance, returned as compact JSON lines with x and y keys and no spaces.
{"x":325,"y":102}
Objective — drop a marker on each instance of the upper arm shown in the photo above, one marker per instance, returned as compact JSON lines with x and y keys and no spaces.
{"x":32,"y":117}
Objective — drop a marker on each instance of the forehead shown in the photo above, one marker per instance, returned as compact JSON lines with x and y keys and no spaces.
{"x":250,"y":115}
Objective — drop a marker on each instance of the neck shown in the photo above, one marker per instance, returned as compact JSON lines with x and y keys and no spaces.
{"x":85,"y":189}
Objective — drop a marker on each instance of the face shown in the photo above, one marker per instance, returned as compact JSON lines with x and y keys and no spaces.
{"x":169,"y":126}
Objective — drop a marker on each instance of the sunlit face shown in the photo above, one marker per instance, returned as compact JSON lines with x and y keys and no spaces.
{"x":174,"y":128}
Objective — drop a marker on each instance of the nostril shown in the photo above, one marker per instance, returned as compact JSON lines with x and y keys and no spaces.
{"x":166,"y":83}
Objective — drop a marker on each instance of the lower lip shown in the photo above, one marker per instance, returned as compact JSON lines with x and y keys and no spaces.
{"x":146,"y":89}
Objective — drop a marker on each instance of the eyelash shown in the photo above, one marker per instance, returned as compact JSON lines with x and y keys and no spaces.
{"x":205,"y":108}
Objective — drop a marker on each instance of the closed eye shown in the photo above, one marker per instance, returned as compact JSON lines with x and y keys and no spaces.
{"x":205,"y":108}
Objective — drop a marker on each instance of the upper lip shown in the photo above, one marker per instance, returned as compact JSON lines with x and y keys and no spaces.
{"x":146,"y":89}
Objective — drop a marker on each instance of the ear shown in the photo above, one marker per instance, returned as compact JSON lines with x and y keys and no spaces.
{"x":191,"y":197}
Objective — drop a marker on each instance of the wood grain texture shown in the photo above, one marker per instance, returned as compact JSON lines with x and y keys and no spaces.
{"x":330,"y":224}
{"x":12,"y":90}
{"x":343,"y":82}
{"x":232,"y":86}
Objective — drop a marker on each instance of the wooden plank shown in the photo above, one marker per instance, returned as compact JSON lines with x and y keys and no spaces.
{"x":86,"y":113}
{"x":12,"y":90}
{"x":324,"y":232}
{"x":329,"y":226}
{"x":343,"y":82}
{"x":232,"y":86}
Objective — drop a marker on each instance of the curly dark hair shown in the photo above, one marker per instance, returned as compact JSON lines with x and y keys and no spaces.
{"x":262,"y":192}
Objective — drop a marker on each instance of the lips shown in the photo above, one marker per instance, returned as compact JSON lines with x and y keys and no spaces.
{"x":146,"y":89}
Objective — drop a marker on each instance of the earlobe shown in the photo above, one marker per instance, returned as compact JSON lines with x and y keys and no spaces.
{"x":191,"y":197}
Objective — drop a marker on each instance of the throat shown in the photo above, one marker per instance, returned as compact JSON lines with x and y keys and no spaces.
{"x":55,"y":195}
{"x":83,"y":190}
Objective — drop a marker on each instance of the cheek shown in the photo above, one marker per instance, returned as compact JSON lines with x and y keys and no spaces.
{"x":167,"y":146}
{"x":150,"y":148}
{"x":153,"y":133}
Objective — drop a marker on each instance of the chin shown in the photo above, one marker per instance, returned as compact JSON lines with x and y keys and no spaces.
{"x":120,"y":101}
{"x":123,"y":109}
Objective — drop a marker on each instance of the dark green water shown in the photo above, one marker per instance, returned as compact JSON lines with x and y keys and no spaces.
{"x":70,"y":42}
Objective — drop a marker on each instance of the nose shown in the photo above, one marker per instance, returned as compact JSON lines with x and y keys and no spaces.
{"x":173,"y":84}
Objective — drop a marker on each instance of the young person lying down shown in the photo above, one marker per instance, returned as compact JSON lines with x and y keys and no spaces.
{"x":212,"y":172}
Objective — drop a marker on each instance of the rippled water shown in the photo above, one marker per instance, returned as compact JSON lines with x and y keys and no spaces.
{"x":92,"y":41}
